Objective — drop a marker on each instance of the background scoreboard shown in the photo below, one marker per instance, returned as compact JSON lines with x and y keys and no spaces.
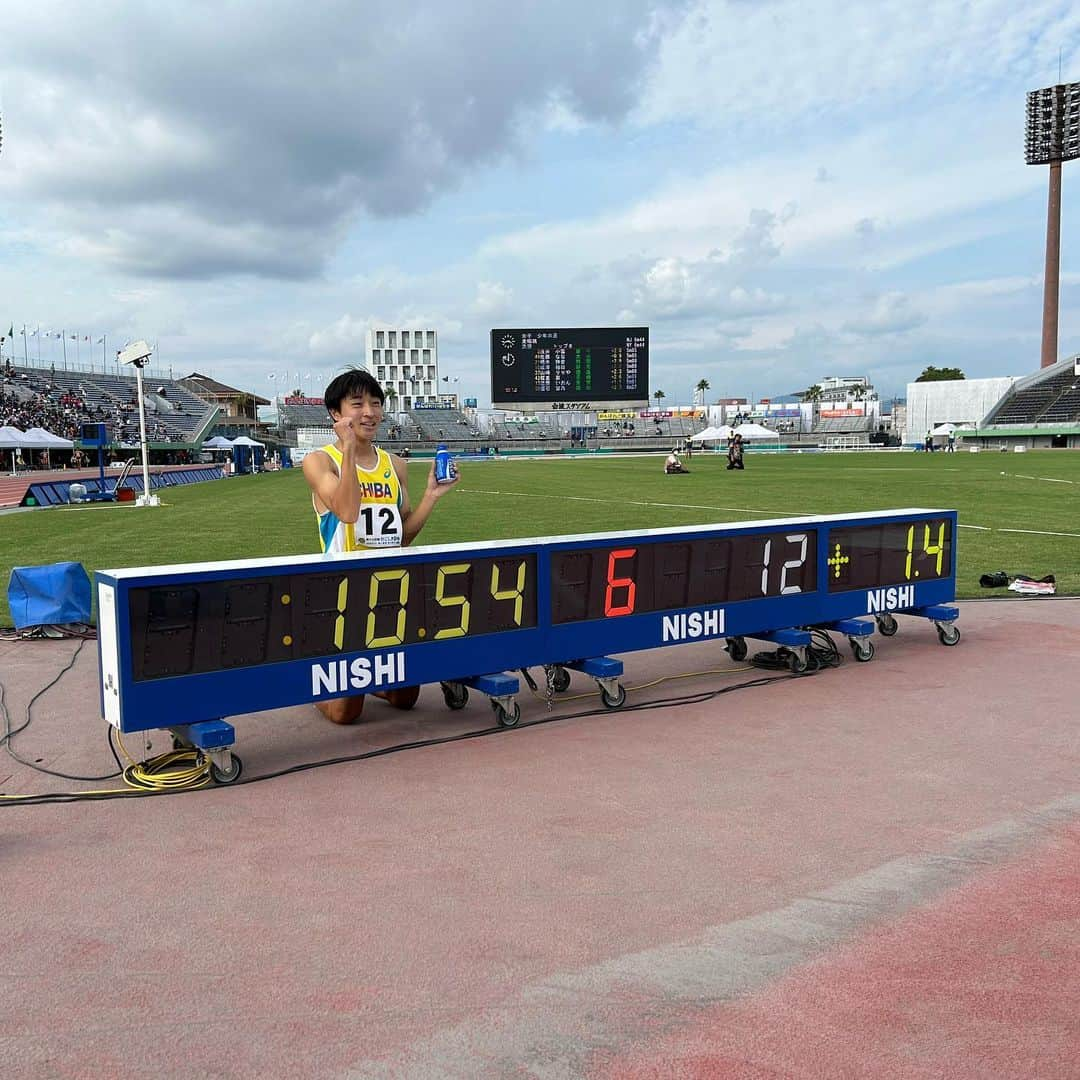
{"x":581,"y":366}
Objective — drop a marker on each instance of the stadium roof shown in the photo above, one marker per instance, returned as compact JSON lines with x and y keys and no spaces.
{"x":220,"y":389}
{"x":1046,"y":373}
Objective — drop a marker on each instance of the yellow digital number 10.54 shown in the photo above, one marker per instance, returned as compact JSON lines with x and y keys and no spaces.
{"x":373,"y":640}
{"x":928,"y":550}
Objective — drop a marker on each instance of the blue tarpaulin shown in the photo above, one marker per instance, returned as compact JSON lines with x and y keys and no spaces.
{"x":44,"y":595}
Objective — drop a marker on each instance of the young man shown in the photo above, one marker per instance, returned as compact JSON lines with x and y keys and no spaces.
{"x":674,"y":465}
{"x":360,"y":496}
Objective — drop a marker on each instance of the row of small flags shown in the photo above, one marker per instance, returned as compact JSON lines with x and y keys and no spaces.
{"x":59,"y":334}
{"x":273,"y":376}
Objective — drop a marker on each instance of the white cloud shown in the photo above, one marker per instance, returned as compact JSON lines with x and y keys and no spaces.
{"x":346,"y":334}
{"x":492,"y":299}
{"x":889,"y":313}
{"x":251,"y":141}
{"x":784,"y":61}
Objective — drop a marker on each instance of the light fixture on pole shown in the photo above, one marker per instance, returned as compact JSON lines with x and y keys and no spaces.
{"x":1052,"y":136}
{"x":137,"y":354}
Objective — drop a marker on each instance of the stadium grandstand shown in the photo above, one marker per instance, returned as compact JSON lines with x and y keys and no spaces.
{"x":181,"y":414}
{"x":305,"y":424}
{"x":1038,"y":411}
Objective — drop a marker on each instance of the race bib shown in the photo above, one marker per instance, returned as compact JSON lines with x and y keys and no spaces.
{"x":379,"y":525}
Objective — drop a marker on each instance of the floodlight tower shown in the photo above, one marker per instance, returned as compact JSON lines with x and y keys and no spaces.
{"x":138,"y":355}
{"x":1052,"y":136}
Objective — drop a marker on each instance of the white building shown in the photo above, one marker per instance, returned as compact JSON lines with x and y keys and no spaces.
{"x":405,"y":361}
{"x":845,"y":388}
{"x":963,"y":402}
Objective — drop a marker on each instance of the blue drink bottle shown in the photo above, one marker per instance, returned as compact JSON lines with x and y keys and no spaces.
{"x":444,"y":465}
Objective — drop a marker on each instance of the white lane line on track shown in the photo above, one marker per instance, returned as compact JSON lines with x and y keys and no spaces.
{"x":556,"y":1025}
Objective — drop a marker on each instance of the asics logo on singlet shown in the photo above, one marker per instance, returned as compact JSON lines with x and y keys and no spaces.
{"x":375,"y":490}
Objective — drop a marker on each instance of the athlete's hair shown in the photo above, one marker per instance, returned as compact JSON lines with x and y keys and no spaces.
{"x":352,"y":383}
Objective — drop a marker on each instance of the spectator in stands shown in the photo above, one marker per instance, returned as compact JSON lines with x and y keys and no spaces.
{"x":735,"y":452}
{"x":360,"y":497}
{"x":673,"y":465}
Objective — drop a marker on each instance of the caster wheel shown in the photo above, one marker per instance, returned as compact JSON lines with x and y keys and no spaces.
{"x":455,"y":695}
{"x":863,"y":651}
{"x":560,"y":680}
{"x":179,"y":744}
{"x":616,"y":702}
{"x":736,"y":647}
{"x":504,"y":718}
{"x":796,"y":664}
{"x":219,"y":776}
{"x":948,"y":635}
{"x":887,"y":626}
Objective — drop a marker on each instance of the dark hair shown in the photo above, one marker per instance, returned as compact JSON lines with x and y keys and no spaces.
{"x":352,"y":383}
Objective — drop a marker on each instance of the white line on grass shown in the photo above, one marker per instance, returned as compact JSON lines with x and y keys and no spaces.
{"x":729,"y":509}
{"x":631,"y":502}
{"x":1048,"y":479}
{"x":1038,"y":532}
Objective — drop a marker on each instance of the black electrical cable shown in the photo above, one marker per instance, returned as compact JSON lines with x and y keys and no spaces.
{"x":10,"y":733}
{"x":691,"y":699}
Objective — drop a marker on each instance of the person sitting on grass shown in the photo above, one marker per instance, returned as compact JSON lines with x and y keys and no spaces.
{"x":674,"y":465}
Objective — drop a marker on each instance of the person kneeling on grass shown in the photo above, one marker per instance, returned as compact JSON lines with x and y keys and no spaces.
{"x":674,"y":465}
{"x":361,"y":499}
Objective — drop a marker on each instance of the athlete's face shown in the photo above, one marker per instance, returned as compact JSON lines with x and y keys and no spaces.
{"x":365,"y":412}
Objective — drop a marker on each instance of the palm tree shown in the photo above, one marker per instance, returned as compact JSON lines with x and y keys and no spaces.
{"x":659,"y":395}
{"x":391,"y":396}
{"x":812,"y":394}
{"x":701,"y":388}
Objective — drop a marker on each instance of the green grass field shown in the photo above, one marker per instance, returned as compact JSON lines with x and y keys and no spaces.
{"x":1037,"y":494}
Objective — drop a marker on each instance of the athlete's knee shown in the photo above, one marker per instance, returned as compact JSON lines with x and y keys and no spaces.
{"x":344,"y":710}
{"x":405,"y":698}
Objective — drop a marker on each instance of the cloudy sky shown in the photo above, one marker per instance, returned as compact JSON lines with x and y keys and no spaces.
{"x":780,"y":190}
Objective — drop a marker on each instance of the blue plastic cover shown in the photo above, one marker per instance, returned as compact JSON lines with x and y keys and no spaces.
{"x":43,"y":595}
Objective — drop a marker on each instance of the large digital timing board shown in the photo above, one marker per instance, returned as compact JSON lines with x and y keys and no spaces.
{"x":184,"y":644}
{"x":570,"y":366}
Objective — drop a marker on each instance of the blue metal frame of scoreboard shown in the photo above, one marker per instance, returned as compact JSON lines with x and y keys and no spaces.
{"x":133,"y":703}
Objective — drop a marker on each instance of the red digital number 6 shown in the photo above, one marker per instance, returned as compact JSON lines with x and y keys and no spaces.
{"x":614,"y":583}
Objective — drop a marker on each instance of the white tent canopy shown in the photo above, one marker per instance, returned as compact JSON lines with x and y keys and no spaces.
{"x":756,"y":431}
{"x":243,"y":440}
{"x":943,"y":429}
{"x":11,"y":438}
{"x":712,"y":434}
{"x":218,"y":442}
{"x":47,"y":440}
